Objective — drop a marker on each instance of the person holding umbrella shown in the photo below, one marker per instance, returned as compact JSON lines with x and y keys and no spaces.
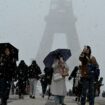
{"x":57,"y":61}
{"x":58,"y":86}
{"x":7,"y":71}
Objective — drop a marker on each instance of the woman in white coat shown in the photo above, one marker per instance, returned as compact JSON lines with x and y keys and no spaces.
{"x":58,"y":85}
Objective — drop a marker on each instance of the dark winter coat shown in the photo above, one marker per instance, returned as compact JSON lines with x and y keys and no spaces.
{"x":22,"y":71}
{"x":7,"y":67}
{"x":48,"y":74}
{"x":34,"y":71}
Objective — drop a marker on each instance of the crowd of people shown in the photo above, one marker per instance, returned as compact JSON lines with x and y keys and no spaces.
{"x":86,"y":81}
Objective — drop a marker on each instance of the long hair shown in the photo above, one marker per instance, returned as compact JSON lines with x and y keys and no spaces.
{"x":89,"y":48}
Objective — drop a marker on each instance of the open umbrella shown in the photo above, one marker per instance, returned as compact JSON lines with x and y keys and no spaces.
{"x":49,"y":59}
{"x":14,"y":50}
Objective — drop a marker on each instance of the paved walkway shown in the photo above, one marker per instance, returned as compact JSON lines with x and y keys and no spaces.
{"x":14,"y":100}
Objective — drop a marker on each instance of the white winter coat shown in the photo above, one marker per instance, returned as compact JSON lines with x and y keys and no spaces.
{"x":58,"y":87}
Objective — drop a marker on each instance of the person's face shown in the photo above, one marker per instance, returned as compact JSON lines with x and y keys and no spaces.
{"x":86,"y":50}
{"x":7,"y":51}
{"x":61,"y":60}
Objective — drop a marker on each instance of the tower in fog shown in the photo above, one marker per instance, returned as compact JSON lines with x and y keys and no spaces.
{"x":60,"y":20}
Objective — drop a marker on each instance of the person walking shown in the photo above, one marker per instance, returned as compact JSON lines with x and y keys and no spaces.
{"x":98,"y":86}
{"x":44,"y":84}
{"x":7,"y":71}
{"x":22,"y":78}
{"x":75,"y":74}
{"x":58,"y":86}
{"x":33,"y":74}
{"x":46,"y":81}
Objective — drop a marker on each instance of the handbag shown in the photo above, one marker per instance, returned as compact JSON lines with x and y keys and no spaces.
{"x":57,"y":76}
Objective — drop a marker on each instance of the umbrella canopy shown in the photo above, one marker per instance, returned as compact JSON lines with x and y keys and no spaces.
{"x":49,"y":59}
{"x":13,"y":50}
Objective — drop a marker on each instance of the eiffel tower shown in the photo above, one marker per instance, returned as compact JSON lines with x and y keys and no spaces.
{"x":59,"y":20}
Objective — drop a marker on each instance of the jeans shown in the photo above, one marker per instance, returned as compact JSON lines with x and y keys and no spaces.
{"x":59,"y":100}
{"x":4,"y":90}
{"x":87,"y":90}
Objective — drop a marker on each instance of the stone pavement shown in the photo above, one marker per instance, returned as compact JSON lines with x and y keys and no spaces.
{"x":14,"y":100}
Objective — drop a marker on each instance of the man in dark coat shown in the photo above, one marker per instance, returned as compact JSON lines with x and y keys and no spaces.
{"x":22,"y":78}
{"x":33,"y":74}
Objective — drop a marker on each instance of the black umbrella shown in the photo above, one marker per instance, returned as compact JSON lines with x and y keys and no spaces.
{"x":49,"y":59}
{"x":13,"y":50}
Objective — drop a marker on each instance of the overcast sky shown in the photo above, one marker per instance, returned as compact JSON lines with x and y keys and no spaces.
{"x":22,"y":23}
